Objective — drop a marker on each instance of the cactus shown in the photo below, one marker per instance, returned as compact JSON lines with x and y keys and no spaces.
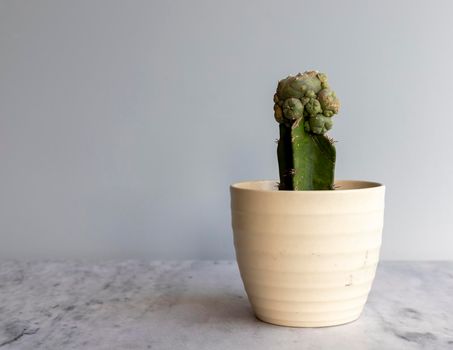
{"x":304,"y":106}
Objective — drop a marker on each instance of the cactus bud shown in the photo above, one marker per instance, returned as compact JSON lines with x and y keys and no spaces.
{"x":313,"y":107}
{"x":293,"y":109}
{"x":320,"y":124}
{"x":329,"y":101}
{"x":298,"y":86}
{"x":323,"y":79}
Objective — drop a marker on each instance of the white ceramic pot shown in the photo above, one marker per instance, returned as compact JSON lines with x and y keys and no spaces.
{"x":307,"y":258}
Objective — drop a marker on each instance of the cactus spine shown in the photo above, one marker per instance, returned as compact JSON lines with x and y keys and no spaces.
{"x":304,"y":106}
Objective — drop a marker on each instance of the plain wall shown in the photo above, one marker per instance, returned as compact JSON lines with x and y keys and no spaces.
{"x":122,"y":123}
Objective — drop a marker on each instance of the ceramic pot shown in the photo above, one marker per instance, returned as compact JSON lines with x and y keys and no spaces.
{"x":307,"y":258}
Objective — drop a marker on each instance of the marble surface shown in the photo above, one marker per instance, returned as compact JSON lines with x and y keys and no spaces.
{"x":202,"y":305}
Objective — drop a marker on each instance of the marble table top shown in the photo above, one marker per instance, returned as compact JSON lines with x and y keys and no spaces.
{"x":202,"y":305}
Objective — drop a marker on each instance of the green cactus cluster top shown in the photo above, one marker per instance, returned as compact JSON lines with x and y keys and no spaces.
{"x":306,"y":95}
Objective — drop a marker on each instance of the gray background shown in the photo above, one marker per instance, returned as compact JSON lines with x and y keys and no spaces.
{"x":122,"y":123}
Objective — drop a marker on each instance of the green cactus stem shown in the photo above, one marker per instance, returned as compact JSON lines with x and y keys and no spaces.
{"x":304,"y":106}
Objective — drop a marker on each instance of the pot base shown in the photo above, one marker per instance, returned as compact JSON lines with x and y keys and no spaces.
{"x":308,"y":324}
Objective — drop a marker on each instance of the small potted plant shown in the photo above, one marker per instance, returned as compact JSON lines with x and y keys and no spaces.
{"x":307,"y":246}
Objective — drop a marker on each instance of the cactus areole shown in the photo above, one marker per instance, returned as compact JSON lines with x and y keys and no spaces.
{"x":304,"y":107}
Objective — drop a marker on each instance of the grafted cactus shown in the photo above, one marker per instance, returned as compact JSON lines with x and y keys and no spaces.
{"x":304,"y":107}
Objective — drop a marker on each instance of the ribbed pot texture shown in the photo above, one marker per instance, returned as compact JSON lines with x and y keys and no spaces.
{"x":307,"y":258}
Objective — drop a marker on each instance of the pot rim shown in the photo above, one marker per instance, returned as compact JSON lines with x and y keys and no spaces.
{"x":355,"y":186}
